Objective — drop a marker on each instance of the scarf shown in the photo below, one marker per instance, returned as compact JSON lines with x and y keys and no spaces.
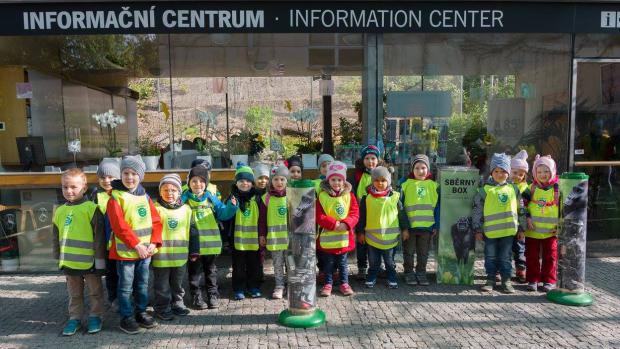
{"x":243,"y":197}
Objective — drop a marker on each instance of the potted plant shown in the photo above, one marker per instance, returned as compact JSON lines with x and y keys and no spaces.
{"x":239,"y":147}
{"x":307,"y":121}
{"x":203,"y":149}
{"x":108,"y":122}
{"x":150,"y":152}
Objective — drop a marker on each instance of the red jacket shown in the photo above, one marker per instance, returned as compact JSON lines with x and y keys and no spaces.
{"x":123,"y":231}
{"x":326,"y":222}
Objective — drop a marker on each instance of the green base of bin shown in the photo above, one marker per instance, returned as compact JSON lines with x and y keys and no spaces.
{"x":315,"y":319}
{"x":568,"y":298}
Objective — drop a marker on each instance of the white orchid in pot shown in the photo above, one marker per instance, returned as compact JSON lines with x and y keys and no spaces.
{"x":108,"y":122}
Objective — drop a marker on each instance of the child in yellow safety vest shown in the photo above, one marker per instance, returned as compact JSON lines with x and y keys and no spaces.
{"x":207,"y":210}
{"x":169,"y":262}
{"x":337,"y":214}
{"x":137,"y":236}
{"x":273,"y":225}
{"x":79,"y":246}
{"x":420,"y":198}
{"x":261,"y":183}
{"x":382,"y":218}
{"x":107,"y":171}
{"x":244,"y":230}
{"x":543,"y":212}
{"x":518,"y":175}
{"x":497,"y":217}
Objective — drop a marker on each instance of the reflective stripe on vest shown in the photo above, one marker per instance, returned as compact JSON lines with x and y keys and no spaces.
{"x":175,"y":237}
{"x":382,"y":229}
{"x":337,"y":208}
{"x":364,"y":182}
{"x":420,"y":200}
{"x":500,"y":211}
{"x":208,"y":230}
{"x":75,"y":235}
{"x":544,"y":218}
{"x":245,"y":236}
{"x":137,"y":214}
{"x":277,"y":223}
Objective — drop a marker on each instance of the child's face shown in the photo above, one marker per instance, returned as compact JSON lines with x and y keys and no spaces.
{"x":197,"y":185}
{"x":420,"y":171}
{"x":106,"y":182}
{"x":371,"y":161}
{"x":261,"y":182}
{"x":323,"y":168}
{"x":73,"y":188}
{"x":244,"y":185}
{"x":295,"y":172}
{"x":279,"y":182}
{"x":543,"y":174}
{"x":336,"y":183}
{"x":518,"y":175}
{"x":500,"y":176}
{"x":169,"y":193}
{"x":380,"y":183}
{"x":130,"y":178}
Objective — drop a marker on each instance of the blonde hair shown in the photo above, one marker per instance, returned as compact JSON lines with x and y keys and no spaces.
{"x":74,"y":172}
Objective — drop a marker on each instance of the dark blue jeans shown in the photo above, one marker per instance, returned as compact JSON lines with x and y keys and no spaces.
{"x":361,"y":251}
{"x":331,"y":262}
{"x":374,"y":258}
{"x":133,"y":279}
{"x":518,"y":253}
{"x":497,"y":257}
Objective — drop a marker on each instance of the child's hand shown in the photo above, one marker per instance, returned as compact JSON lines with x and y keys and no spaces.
{"x":337,"y":226}
{"x":342,"y":227}
{"x":405,"y":234}
{"x":479,"y":236}
{"x":151,"y":249}
{"x":361,"y":238}
{"x":142,"y":250}
{"x":193,"y":257}
{"x":262,"y":241}
{"x":434,"y":233}
{"x":520,"y":235}
{"x":530,"y":225}
{"x":233,"y":200}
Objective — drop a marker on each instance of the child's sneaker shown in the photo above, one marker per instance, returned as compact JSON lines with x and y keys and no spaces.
{"x":410,"y":279}
{"x":72,"y":326}
{"x":507,"y":287}
{"x":130,"y":326}
{"x":255,"y":293}
{"x":488,"y":286}
{"x":239,"y":296}
{"x":326,"y":291}
{"x":361,"y":275}
{"x":180,"y":311}
{"x":94,"y":324}
{"x":370,"y":283}
{"x":212,"y":301}
{"x":521,"y":275}
{"x":422,"y":280}
{"x":145,"y":320}
{"x":346,"y":290}
{"x":532,"y":286}
{"x":199,"y":303}
{"x":166,"y":315}
{"x":393,"y":285}
{"x":278,"y":293}
{"x":548,"y":287}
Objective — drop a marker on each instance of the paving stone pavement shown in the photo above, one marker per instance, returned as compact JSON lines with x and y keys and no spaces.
{"x":33,"y":312}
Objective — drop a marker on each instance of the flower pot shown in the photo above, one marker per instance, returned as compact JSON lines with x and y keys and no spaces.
{"x":234,"y":159}
{"x":309,"y":160}
{"x":10,"y":264}
{"x":206,"y":157}
{"x":151,"y":162}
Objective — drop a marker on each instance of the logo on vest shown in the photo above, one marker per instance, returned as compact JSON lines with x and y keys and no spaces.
{"x":541,"y":203}
{"x":173,"y":223}
{"x":502,"y":197}
{"x":282,"y":210}
{"x":340,"y":210}
{"x":421,"y":192}
{"x":247,"y":212}
{"x":68,"y":220}
{"x":200,"y":214}
{"x":142,"y":211}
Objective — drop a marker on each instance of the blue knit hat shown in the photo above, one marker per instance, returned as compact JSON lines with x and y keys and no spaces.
{"x":370,"y":149}
{"x":500,"y":160}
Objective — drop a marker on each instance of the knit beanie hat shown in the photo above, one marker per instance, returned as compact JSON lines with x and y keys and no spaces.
{"x":370,"y":149}
{"x":379,"y":172}
{"x":261,"y":170}
{"x":171,"y":178}
{"x":108,"y":167}
{"x":421,"y":158}
{"x":294,"y":160}
{"x":336,"y":168}
{"x":244,"y":171}
{"x":203,"y":162}
{"x":519,"y":161}
{"x":325,"y":157}
{"x":135,"y":163}
{"x":500,"y":160}
{"x":279,"y":170}
{"x":201,"y":170}
{"x":547,"y":161}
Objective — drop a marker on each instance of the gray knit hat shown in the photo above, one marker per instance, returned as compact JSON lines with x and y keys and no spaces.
{"x":421,"y":158}
{"x":381,"y":171}
{"x":500,"y":160}
{"x":279,"y":170}
{"x":108,"y":167}
{"x":261,"y":170}
{"x":325,"y":157}
{"x":135,"y":163}
{"x":171,"y":178}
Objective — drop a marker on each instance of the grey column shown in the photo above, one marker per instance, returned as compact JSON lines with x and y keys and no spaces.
{"x":372,"y":89}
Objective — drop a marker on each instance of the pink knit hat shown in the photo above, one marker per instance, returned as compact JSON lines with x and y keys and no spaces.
{"x":519,"y":161}
{"x":544,"y":160}
{"x":337,"y":168}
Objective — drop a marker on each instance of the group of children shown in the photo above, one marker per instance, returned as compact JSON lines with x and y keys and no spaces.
{"x":122,"y":232}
